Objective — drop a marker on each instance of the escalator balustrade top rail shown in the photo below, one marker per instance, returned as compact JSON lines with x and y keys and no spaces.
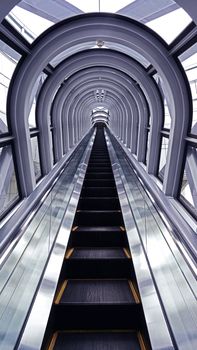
{"x":97,"y":303}
{"x":165,"y":273}
{"x":21,"y":274}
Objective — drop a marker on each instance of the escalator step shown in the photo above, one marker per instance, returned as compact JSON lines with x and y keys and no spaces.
{"x":95,"y":253}
{"x":99,"y":203}
{"x":103,"y":164}
{"x":95,"y":341}
{"x":99,"y":182}
{"x":99,"y":192}
{"x":97,"y":303}
{"x":99,"y":158}
{"x":99,"y":217}
{"x":97,"y":269}
{"x":98,"y":169}
{"x":103,"y":175}
{"x":95,"y":292}
{"x":111,"y":236}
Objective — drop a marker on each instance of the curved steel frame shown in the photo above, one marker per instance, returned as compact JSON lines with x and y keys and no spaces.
{"x":111,"y":28}
{"x":100,"y":73}
{"x":118,"y":61}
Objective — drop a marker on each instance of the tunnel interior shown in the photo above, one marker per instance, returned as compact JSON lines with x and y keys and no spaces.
{"x":98,"y":144}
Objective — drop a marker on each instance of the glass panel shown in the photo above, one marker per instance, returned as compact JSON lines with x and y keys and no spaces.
{"x":36,"y":157}
{"x":148,"y":145}
{"x":35,"y":92}
{"x":194,"y":120}
{"x":170,"y":25}
{"x":51,"y":142}
{"x":189,"y":63}
{"x":8,"y":61}
{"x":189,"y":185}
{"x":32,"y":115}
{"x":21,"y":273}
{"x":105,"y":5}
{"x":8,"y":185}
{"x":175,"y":281}
{"x":167,"y":116}
{"x":163,"y":157}
{"x":28,"y":24}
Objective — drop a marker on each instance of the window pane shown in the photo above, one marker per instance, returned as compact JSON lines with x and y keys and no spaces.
{"x":170,"y":25}
{"x":51,"y":142}
{"x":163,"y":157}
{"x":35,"y":92}
{"x":189,"y":63}
{"x":105,"y":5}
{"x":8,"y":61}
{"x":148,"y":146}
{"x":189,"y":185}
{"x":8,"y":185}
{"x":167,"y":116}
{"x":28,"y":24}
{"x":36,"y":157}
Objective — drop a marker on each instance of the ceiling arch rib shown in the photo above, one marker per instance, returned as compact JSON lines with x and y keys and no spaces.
{"x":132,"y":123}
{"x":90,"y":103}
{"x":117,"y":76}
{"x":62,"y":107}
{"x":120,"y":97}
{"x":115,"y":96}
{"x":85,"y":77}
{"x":105,"y":58}
{"x":133,"y":115}
{"x":68,"y":88}
{"x":100,"y":117}
{"x":114,"y":29}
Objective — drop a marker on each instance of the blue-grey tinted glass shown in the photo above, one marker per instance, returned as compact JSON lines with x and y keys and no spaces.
{"x":8,"y":185}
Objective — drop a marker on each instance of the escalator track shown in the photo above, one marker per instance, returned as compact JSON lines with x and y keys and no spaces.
{"x":97,"y":303}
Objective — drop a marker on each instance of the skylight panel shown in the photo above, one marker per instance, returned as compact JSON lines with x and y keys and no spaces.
{"x":170,"y":25}
{"x":102,"y":5}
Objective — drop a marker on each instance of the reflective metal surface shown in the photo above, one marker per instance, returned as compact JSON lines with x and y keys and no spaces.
{"x":21,"y":272}
{"x":37,"y":321}
{"x":159,"y":336}
{"x":174,"y":283}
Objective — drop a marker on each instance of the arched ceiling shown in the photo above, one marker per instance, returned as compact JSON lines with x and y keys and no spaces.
{"x":112,"y":73}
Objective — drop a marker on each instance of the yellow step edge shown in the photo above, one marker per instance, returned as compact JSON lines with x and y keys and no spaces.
{"x":55,"y":335}
{"x":53,"y":341}
{"x":69,"y":253}
{"x":126,"y":251}
{"x":75,"y":228}
{"x":61,"y":291}
{"x":134,"y":292}
{"x":141,"y":341}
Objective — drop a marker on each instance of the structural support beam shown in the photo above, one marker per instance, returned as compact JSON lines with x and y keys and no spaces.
{"x":129,"y":34}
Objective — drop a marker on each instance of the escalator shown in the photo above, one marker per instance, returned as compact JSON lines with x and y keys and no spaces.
{"x":97,"y":304}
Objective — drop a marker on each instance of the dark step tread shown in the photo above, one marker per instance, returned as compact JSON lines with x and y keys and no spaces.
{"x":99,"y":182}
{"x":95,"y":292}
{"x":95,"y":341}
{"x":100,"y":198}
{"x":99,"y":229}
{"x":98,"y":253}
{"x":99,"y":169}
{"x":101,"y":175}
{"x":88,"y":211}
{"x":98,"y":217}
